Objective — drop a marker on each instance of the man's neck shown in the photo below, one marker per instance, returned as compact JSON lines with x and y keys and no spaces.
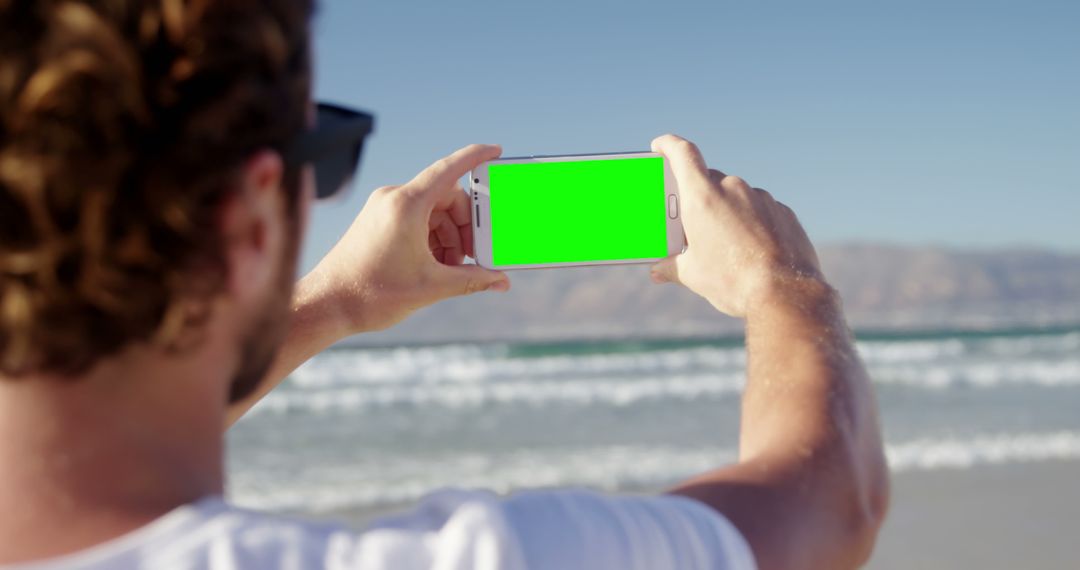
{"x":86,"y":460}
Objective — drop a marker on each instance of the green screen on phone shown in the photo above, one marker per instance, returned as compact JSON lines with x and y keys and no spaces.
{"x":579,"y":211}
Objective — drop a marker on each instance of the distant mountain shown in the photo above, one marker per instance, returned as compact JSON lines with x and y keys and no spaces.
{"x":897,"y":287}
{"x":883,"y":287}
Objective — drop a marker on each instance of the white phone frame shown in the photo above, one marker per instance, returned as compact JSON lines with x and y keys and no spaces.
{"x":480,"y":196}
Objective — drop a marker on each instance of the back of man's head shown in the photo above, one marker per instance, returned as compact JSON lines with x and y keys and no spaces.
{"x":121,"y":123}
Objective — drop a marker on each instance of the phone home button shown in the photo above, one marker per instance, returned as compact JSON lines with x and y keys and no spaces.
{"x":673,"y":206}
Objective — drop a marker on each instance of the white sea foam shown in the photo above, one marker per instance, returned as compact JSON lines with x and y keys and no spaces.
{"x":884,"y":352}
{"x":476,"y":364}
{"x":383,"y":481}
{"x":625,"y":388}
{"x":933,"y":363}
{"x":960,"y":453}
{"x":945,"y":349}
{"x":617,"y":391}
{"x":400,"y":480}
{"x":1035,"y":344}
{"x":464,"y":379}
{"x":982,"y":374}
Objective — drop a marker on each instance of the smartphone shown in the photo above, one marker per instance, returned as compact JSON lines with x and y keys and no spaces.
{"x":571,"y":210}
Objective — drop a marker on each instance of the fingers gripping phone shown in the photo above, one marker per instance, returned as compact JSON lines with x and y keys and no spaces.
{"x":571,"y":210}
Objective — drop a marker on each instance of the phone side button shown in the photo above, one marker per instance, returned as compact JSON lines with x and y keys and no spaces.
{"x":673,"y":206}
{"x":477,"y":218}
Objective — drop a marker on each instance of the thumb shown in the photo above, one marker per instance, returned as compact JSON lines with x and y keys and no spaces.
{"x":666,"y":270}
{"x":468,"y":279}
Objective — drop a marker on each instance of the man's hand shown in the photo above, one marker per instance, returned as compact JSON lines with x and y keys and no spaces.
{"x":743,"y":247}
{"x":811,"y":487}
{"x":405,"y":249}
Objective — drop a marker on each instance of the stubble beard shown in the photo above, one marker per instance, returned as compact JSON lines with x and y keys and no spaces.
{"x":260,"y":344}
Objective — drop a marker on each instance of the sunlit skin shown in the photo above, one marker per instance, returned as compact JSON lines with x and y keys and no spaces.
{"x":809,"y":491}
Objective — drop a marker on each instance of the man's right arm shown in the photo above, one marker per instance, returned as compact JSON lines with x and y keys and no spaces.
{"x":810,"y":489}
{"x":404,"y":251}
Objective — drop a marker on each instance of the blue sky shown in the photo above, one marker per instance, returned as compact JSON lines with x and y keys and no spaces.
{"x":917,"y":122}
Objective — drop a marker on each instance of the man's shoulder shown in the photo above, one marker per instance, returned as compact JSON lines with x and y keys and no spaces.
{"x":212,"y":534}
{"x":447,"y":529}
{"x":478,"y":530}
{"x":209,"y":534}
{"x":253,"y":539}
{"x":468,"y":529}
{"x":452,"y":529}
{"x":586,"y":529}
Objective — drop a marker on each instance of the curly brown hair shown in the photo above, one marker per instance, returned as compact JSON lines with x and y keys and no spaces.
{"x":122,"y":123}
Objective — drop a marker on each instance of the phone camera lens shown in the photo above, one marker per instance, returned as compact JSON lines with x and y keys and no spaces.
{"x":476,"y":180}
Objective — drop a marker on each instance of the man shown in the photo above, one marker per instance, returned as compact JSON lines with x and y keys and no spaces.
{"x":157,"y":161}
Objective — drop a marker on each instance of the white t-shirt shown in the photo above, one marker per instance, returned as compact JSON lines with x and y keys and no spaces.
{"x":448,"y":530}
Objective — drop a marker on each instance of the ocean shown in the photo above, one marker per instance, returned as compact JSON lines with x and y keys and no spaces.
{"x":366,"y":429}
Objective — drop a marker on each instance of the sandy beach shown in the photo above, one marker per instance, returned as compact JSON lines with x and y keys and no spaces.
{"x":1014,"y":516}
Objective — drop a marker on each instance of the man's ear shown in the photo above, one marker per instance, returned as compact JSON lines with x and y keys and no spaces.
{"x":252,"y":224}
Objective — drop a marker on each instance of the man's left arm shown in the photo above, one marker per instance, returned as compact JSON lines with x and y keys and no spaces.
{"x":404,"y":251}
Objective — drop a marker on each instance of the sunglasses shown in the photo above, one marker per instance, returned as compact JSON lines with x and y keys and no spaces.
{"x":333,"y":147}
